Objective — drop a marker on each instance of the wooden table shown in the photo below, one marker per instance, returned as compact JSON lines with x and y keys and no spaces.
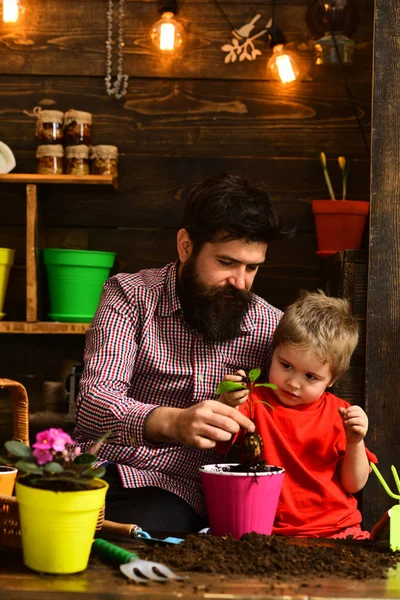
{"x":103,"y":581}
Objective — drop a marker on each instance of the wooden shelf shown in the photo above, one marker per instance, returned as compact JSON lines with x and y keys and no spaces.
{"x":63,"y":179}
{"x":51,"y":327}
{"x":32,"y":324}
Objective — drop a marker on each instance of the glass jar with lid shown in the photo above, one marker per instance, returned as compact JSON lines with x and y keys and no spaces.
{"x":49,"y":126}
{"x":51,"y":159}
{"x":77,"y":127}
{"x":77,"y":160}
{"x":104,"y":160}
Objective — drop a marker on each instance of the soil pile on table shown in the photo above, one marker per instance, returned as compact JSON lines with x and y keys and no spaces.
{"x":276,"y":557}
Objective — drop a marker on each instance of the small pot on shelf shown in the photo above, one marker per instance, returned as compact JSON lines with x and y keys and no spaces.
{"x":339,"y":224}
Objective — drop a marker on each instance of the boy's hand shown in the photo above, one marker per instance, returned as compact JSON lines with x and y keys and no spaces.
{"x":235,"y":399}
{"x":355,"y":423}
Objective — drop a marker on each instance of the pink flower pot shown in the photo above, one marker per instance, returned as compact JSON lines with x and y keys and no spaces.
{"x":239,"y":503}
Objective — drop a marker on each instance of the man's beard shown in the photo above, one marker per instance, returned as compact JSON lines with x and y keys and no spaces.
{"x":216,"y":311}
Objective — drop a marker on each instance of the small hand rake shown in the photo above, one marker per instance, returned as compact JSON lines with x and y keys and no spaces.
{"x":136,"y":569}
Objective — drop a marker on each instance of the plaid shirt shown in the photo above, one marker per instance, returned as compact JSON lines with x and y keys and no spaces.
{"x":141,"y":354}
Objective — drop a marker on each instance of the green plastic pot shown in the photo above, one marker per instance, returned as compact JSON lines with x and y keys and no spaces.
{"x":76,"y":279}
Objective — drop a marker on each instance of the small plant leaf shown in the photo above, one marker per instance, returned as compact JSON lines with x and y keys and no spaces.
{"x":229,"y":386}
{"x":6,"y":461}
{"x":267,"y":403}
{"x":53,"y":467}
{"x":18,"y":449}
{"x":254,"y":374}
{"x":269,"y":385}
{"x":85,"y":459}
{"x":29,"y":467}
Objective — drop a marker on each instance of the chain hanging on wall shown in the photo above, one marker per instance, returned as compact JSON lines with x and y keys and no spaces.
{"x":119,"y":87}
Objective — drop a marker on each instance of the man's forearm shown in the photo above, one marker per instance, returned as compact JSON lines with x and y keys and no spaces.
{"x":160,"y":425}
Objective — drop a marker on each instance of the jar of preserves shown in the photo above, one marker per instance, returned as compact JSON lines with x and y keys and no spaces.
{"x":49,"y":126}
{"x":77,"y":128}
{"x":77,"y":160}
{"x":104,"y":160}
{"x":51,"y":159}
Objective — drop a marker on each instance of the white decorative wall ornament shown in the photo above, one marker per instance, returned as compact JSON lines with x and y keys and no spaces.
{"x":242,"y":45}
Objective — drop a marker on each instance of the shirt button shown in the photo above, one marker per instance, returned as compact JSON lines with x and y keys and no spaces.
{"x":133,"y":440}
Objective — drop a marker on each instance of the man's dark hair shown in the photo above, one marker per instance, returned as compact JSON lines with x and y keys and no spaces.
{"x":227,"y":207}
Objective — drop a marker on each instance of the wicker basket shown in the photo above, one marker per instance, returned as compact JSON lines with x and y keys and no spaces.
{"x":10,"y":532}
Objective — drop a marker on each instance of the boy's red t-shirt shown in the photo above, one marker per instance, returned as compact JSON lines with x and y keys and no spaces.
{"x":309,"y":442}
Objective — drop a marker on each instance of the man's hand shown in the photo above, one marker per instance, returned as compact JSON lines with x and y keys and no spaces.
{"x":235,"y":398}
{"x":355,"y":423}
{"x":199,"y":426}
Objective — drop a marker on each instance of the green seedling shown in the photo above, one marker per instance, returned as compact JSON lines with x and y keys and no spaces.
{"x":252,"y":444}
{"x":395,"y":510}
{"x":234,"y":386}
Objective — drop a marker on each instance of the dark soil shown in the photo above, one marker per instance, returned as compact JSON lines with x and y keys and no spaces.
{"x":277,"y":558}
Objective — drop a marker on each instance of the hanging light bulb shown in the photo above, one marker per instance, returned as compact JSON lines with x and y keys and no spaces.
{"x":284,"y":65}
{"x":11,"y":10}
{"x":167,"y":34}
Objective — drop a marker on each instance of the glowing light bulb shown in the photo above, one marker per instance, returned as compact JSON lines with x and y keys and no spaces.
{"x":10,"y":11}
{"x":283,"y":65}
{"x":167,"y":34}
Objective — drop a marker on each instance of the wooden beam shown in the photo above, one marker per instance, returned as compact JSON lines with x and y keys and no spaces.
{"x":383,"y":300}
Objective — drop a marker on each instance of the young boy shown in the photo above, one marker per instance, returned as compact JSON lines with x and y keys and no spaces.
{"x":317,"y":437}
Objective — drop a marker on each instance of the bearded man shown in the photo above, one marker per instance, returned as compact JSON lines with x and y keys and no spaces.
{"x":159,"y":344}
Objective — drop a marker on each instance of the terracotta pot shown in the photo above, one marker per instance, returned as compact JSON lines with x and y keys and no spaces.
{"x":339,"y":224}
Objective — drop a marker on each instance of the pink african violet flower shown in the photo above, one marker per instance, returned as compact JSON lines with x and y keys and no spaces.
{"x":60,"y":438}
{"x":77,"y":451}
{"x":44,"y":440}
{"x":42,"y":456}
{"x":53,"y":438}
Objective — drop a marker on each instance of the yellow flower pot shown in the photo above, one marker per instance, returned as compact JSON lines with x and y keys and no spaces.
{"x":58,"y":528}
{"x":6,"y":260}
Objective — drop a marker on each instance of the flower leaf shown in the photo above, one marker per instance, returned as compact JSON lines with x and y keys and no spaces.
{"x":85,"y":459}
{"x":254,"y":374}
{"x":29,"y":467}
{"x":18,"y":449}
{"x":53,"y":467}
{"x":227,"y":48}
{"x":91,"y":473}
{"x":229,"y":386}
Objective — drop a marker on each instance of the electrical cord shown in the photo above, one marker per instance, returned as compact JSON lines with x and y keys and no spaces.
{"x":346,"y":83}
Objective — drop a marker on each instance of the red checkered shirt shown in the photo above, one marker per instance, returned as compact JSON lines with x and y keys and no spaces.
{"x":140,"y":354}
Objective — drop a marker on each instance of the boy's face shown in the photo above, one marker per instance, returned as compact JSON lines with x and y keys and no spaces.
{"x":299,"y":374}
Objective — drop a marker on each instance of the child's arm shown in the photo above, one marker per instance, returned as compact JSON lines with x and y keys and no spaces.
{"x":234,"y":399}
{"x":355,"y":469}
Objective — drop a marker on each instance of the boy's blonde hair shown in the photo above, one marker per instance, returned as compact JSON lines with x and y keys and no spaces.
{"x":323,"y":324}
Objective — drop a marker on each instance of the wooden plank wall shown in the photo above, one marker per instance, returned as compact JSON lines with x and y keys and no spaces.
{"x":181,"y":121}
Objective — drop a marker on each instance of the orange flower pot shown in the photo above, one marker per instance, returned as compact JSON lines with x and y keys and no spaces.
{"x":339,"y":224}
